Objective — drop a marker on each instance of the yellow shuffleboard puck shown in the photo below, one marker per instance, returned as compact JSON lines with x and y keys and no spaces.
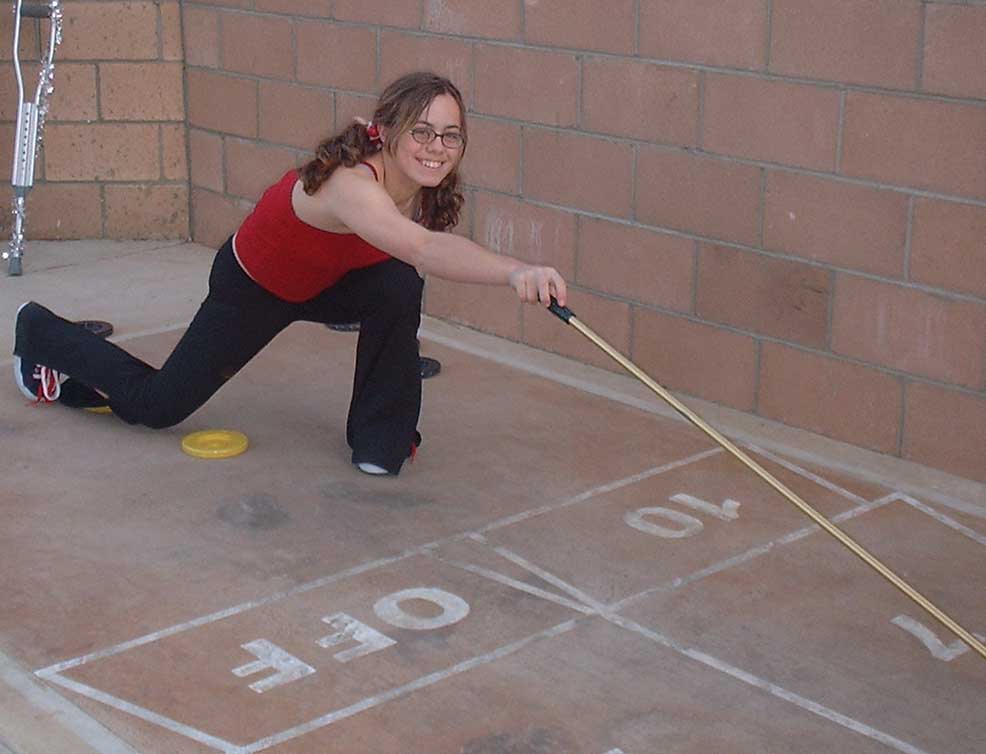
{"x":215,"y":443}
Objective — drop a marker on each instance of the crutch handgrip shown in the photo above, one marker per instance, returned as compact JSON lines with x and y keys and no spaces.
{"x":36,"y":10}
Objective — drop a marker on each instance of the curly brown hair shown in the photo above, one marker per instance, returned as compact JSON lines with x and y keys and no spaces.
{"x":398,"y":109}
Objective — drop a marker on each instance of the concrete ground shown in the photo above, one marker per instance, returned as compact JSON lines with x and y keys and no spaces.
{"x":564,"y":568}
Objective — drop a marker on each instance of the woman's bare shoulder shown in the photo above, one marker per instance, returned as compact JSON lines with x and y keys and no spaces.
{"x":319,"y":208}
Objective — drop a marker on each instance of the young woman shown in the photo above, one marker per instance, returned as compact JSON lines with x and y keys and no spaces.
{"x":345,"y":239}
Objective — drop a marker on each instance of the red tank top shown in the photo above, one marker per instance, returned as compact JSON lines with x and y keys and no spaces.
{"x":290,"y":258}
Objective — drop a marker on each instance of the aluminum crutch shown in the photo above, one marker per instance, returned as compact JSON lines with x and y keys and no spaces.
{"x":30,"y":119}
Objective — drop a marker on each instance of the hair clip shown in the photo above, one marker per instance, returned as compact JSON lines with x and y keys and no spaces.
{"x":371,"y":129}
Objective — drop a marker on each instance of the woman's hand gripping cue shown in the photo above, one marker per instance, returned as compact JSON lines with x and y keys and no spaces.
{"x":538,"y":284}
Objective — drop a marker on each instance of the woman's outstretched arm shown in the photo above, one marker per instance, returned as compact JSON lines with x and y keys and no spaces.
{"x":367,"y":210}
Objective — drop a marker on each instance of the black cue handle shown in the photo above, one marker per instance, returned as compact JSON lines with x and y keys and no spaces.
{"x":562,"y":312}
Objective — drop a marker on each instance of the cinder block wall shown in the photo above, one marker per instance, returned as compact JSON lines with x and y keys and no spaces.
{"x":114,"y":161}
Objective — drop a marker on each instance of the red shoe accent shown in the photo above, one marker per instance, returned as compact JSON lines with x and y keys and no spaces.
{"x":49,"y":384}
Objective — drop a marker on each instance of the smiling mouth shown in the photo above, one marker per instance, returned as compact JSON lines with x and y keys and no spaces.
{"x":432,"y":164}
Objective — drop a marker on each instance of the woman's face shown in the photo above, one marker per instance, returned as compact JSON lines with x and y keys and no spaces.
{"x":428,"y":164}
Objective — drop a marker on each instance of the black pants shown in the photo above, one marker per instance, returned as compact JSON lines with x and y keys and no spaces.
{"x":236,"y":320}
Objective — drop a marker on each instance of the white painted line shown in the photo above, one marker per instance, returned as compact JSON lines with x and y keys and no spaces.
{"x":144,"y":714}
{"x":680,"y":581}
{"x":596,"y":491}
{"x":751,"y":554}
{"x":550,"y":578}
{"x":717,"y":664}
{"x":53,"y":672}
{"x":659,"y":408}
{"x":771,"y":688}
{"x":364,"y":567}
{"x":399,"y":691}
{"x":970,"y":509}
{"x":59,"y":711}
{"x":236,"y":610}
{"x":820,"y":481}
{"x":942,"y":518}
{"x":838,"y":519}
{"x":518,"y":585}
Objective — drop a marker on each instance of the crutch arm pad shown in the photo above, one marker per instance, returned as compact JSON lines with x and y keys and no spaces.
{"x":562,"y":312}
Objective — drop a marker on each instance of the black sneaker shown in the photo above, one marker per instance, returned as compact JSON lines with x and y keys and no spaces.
{"x":36,"y":381}
{"x":344,"y":326}
{"x":77,"y":395}
{"x":376,"y":470}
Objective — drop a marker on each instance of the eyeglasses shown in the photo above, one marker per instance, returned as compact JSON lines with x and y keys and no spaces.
{"x":427,"y":134}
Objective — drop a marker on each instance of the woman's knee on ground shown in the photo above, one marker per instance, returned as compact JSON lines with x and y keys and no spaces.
{"x":154,"y":417}
{"x":157,"y":412}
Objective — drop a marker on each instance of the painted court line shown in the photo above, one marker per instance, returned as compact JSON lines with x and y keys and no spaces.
{"x":320,"y":722}
{"x":518,"y":585}
{"x":680,"y":581}
{"x":794,"y":536}
{"x":771,"y":688}
{"x":587,"y":606}
{"x":659,"y":408}
{"x":751,"y":554}
{"x":362,"y":568}
{"x":596,"y":491}
{"x":53,"y":672}
{"x":59,"y":711}
{"x":942,"y":518}
{"x":892,"y":497}
{"x":811,"y":476}
{"x":399,"y":691}
{"x":863,"y":507}
{"x":144,"y":714}
{"x":716,"y":664}
{"x":550,"y":578}
{"x":235,"y":610}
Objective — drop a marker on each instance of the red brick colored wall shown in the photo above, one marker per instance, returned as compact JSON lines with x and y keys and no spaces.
{"x":114,"y":160}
